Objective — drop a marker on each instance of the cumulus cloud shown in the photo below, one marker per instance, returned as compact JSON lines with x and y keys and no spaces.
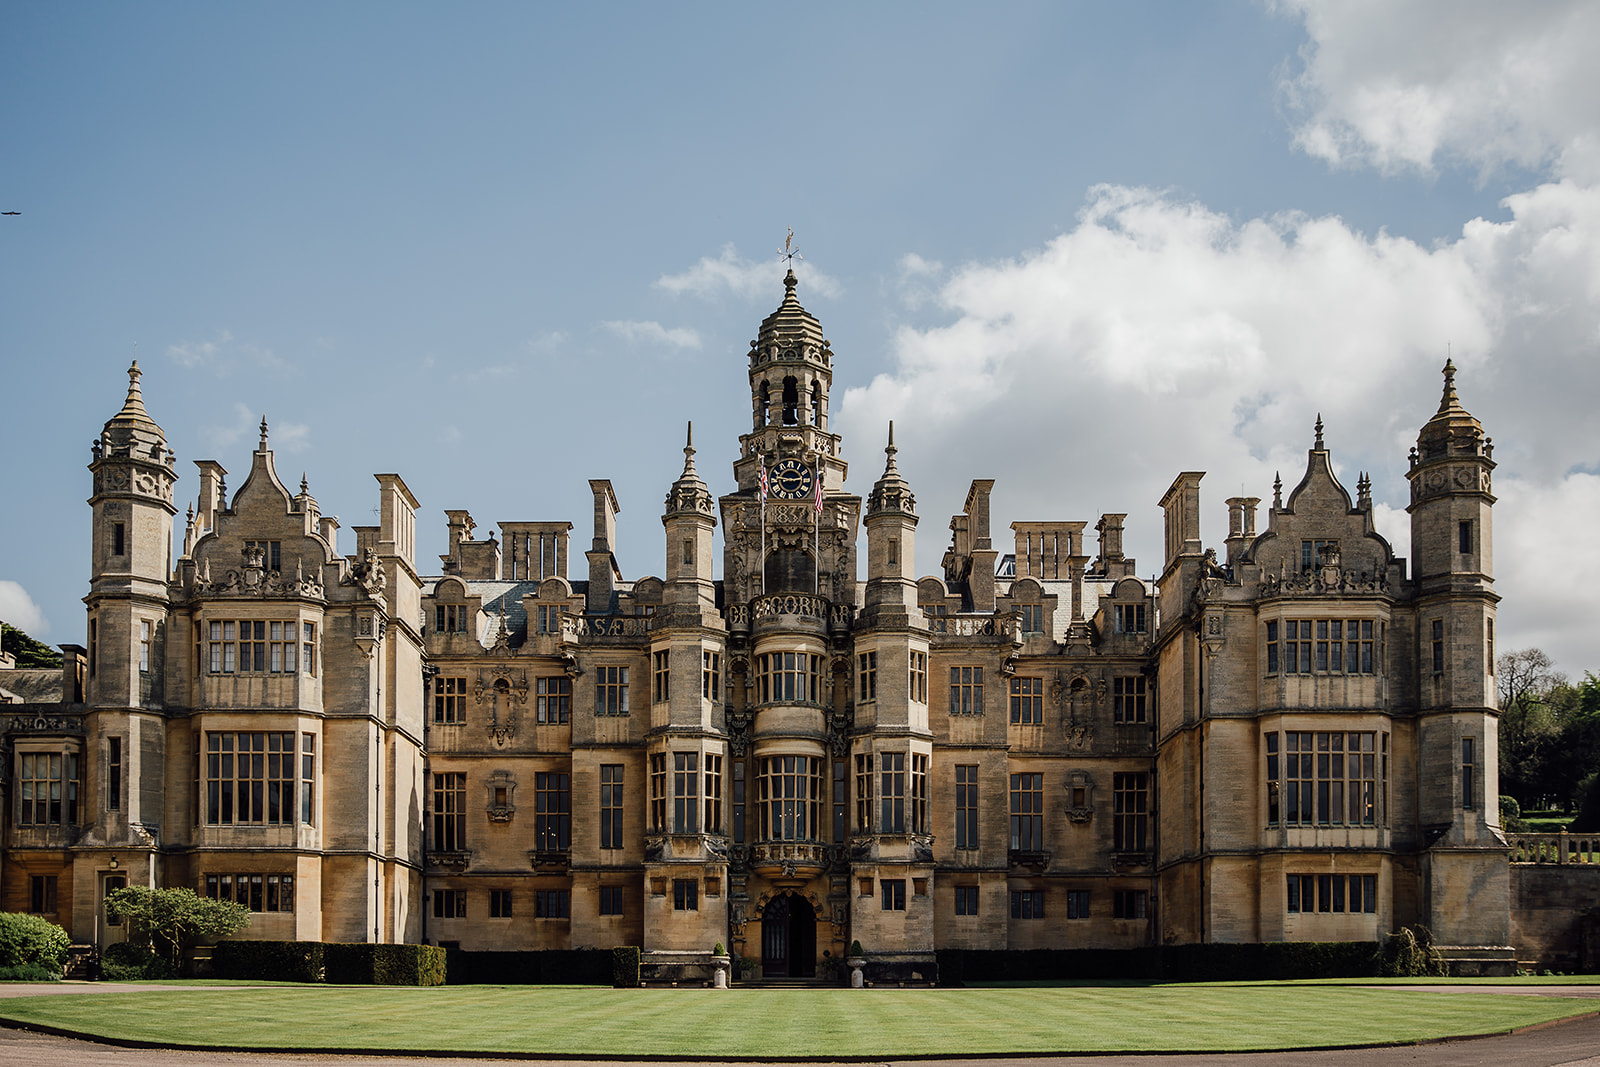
{"x":750,"y":279}
{"x":1410,"y":84}
{"x":223,"y":355}
{"x":653,"y":333}
{"x":18,"y":609}
{"x":246,"y":424}
{"x":1159,"y":335}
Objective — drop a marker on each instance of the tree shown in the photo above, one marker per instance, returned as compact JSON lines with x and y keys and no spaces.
{"x":169,"y":919}
{"x":1532,"y":702}
{"x":1573,"y":755}
{"x":30,"y":653}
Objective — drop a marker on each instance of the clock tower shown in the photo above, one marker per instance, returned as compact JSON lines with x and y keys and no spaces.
{"x":799,"y":538}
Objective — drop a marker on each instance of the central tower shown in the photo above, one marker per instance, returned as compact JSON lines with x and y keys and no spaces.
{"x":799,"y":538}
{"x":789,"y":585}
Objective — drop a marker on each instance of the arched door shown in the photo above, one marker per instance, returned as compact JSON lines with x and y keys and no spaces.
{"x":789,"y":938}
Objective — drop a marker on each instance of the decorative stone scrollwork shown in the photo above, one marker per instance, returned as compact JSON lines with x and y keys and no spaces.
{"x":839,"y":723}
{"x":43,"y":724}
{"x":738,"y":723}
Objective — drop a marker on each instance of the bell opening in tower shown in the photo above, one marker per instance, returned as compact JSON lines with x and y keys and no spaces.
{"x":791,"y":402}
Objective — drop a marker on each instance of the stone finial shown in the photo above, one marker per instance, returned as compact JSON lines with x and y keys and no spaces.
{"x":889,"y":451}
{"x":263,"y":447}
{"x":134,"y":374}
{"x":1277,"y":490}
{"x":1318,"y":446}
{"x":1364,"y":492}
{"x":688,"y":454}
{"x":789,"y":282}
{"x":304,"y":486}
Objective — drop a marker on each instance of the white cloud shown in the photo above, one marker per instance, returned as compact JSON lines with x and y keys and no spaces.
{"x":653,"y":333}
{"x":223,"y":355}
{"x":1410,"y":84}
{"x":752,"y":280}
{"x":1547,"y":568}
{"x":1158,"y":336}
{"x":18,"y":609}
{"x":282,"y":436}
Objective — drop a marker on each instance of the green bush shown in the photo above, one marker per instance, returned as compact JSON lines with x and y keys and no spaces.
{"x":855,"y":949}
{"x":625,"y":967}
{"x":128,"y":962}
{"x":269,"y":961}
{"x":29,"y":940}
{"x":29,"y":972}
{"x":1409,"y":953}
{"x":368,"y":964}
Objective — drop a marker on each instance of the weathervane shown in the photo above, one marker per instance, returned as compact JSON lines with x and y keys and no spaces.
{"x":790,"y":253}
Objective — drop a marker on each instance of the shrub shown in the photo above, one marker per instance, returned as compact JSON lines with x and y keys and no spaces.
{"x":855,"y":949}
{"x":717,"y":949}
{"x":169,"y":919}
{"x":1409,"y":953}
{"x":29,"y":972}
{"x":32,"y":941}
{"x":129,"y":962}
{"x":368,"y":964}
{"x":270,"y":961}
{"x":625,"y":966}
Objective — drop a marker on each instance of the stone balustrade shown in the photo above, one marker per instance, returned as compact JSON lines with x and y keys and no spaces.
{"x":1559,"y":848}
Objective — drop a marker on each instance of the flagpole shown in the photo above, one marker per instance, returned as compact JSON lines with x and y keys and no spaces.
{"x":762,"y":563}
{"x":816,"y":530}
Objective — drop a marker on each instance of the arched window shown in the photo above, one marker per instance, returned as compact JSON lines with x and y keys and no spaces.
{"x":816,"y":404}
{"x":763,"y":398}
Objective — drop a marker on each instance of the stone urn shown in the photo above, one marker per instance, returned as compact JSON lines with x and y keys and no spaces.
{"x":855,"y":963}
{"x":719,"y":971}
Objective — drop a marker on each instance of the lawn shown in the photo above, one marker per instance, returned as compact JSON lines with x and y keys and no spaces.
{"x":587,"y":1021}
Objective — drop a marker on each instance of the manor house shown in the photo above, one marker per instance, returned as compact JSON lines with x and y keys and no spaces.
{"x":1288,"y":737}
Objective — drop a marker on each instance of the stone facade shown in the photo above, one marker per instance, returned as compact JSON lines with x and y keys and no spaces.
{"x":1035,"y":749}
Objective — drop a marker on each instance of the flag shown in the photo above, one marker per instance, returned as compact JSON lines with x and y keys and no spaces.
{"x":763,"y":481}
{"x":816,"y":493}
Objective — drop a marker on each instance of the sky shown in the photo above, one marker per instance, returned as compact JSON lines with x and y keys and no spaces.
{"x":505,"y":248}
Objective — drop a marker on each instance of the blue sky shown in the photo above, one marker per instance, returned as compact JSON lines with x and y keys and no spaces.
{"x":505,"y":248}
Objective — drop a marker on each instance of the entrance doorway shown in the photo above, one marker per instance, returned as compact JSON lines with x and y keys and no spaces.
{"x":789,"y":938}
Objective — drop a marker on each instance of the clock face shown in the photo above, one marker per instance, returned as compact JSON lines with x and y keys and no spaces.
{"x":791,"y":480}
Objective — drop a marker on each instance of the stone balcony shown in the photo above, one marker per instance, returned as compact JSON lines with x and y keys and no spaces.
{"x":789,"y":862}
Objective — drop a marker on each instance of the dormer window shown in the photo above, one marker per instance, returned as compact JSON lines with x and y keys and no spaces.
{"x":271,"y":553}
{"x":1032,"y":618}
{"x":1130,"y":619}
{"x":450,"y":618}
{"x":1318,"y":553}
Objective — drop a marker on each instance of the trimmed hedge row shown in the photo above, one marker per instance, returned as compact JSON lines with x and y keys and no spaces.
{"x":578,"y":966}
{"x":270,"y":961}
{"x":337,"y":964}
{"x":625,"y":967}
{"x":1268,"y":961}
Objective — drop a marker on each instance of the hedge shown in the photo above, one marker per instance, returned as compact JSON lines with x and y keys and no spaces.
{"x":579,"y":966}
{"x":1257,"y":961}
{"x":369,"y":964}
{"x":336,"y":964}
{"x":269,"y":961}
{"x":625,"y":966}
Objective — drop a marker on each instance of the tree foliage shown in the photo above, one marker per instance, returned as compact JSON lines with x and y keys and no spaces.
{"x":1549,"y":731}
{"x":167,"y":920}
{"x":29,"y":653}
